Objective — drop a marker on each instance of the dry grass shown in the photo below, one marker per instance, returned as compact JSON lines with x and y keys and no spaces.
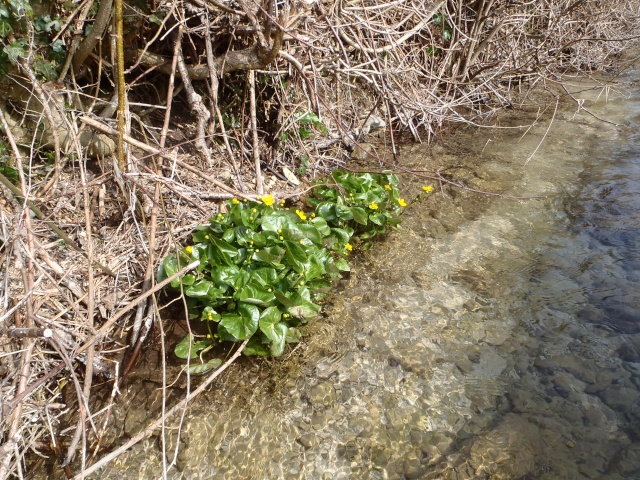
{"x":414,"y":65}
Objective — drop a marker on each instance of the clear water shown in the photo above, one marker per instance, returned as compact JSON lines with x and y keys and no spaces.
{"x":491,"y":338}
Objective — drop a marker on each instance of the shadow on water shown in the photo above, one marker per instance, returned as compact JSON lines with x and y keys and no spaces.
{"x":488,"y":339}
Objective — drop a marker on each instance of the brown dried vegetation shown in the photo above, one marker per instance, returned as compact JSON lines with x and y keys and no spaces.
{"x":224,"y":98}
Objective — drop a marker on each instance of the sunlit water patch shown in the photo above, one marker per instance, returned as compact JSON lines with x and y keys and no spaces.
{"x":491,"y":338}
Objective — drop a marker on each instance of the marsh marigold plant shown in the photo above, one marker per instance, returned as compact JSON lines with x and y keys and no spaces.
{"x":263,"y":268}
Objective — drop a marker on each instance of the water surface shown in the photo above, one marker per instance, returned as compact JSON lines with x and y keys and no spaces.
{"x":491,"y":338}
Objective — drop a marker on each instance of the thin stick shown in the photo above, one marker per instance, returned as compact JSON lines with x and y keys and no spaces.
{"x":545,"y":133}
{"x":122,"y":95}
{"x":147,"y":432}
{"x":254,"y":131}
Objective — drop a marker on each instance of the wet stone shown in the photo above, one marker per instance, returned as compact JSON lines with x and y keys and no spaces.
{"x":412,"y":467}
{"x":307,"y":441}
{"x":620,"y":399}
{"x":323,"y":394}
{"x":464,"y":364}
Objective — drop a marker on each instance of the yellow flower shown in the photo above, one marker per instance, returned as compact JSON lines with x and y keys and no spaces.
{"x":188,"y":250}
{"x":427,"y":188}
{"x":301,"y":242}
{"x":235,"y":201}
{"x":387,"y":187}
{"x":313,"y":214}
{"x":373,"y":206}
{"x":402,"y":203}
{"x":301,"y":214}
{"x":348,"y":246}
{"x":209,"y":316}
{"x":267,"y":200}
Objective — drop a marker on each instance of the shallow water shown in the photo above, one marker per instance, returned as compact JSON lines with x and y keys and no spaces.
{"x":493,"y":338}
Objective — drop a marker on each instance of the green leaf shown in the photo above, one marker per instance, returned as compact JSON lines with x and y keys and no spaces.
{"x":283,"y":299}
{"x":293,"y":335}
{"x":200,"y":368}
{"x":256,"y":347}
{"x":256,"y":295}
{"x":168,"y":268}
{"x":17,"y":49}
{"x":343,"y":212}
{"x":377,"y":218}
{"x":276,"y":220}
{"x":5,"y":27}
{"x":231,"y":276}
{"x":304,"y":310}
{"x":182,"y":348}
{"x":321,"y":224}
{"x":268,"y":255}
{"x":227,"y":250}
{"x":200,"y":234}
{"x":264,"y":276}
{"x":242,"y":326}
{"x":229,"y":235}
{"x":343,"y":265}
{"x":327,"y":211}
{"x":274,"y":330}
{"x":156,"y":18}
{"x":316,"y":267}
{"x":359,"y":215}
{"x":341,"y":235}
{"x":209,"y":314}
{"x":311,"y":233}
{"x":199,"y":289}
{"x":296,"y":256}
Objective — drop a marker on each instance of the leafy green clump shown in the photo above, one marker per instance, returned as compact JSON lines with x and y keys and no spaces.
{"x":264,"y":268}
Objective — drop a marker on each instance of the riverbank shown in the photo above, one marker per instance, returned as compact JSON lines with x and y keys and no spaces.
{"x":76,"y":292}
{"x":470,"y":344}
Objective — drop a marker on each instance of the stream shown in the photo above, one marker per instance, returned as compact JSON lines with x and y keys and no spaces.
{"x":489,"y":338}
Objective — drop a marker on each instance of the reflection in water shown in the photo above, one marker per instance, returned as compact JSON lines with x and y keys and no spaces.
{"x":499,"y":340}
